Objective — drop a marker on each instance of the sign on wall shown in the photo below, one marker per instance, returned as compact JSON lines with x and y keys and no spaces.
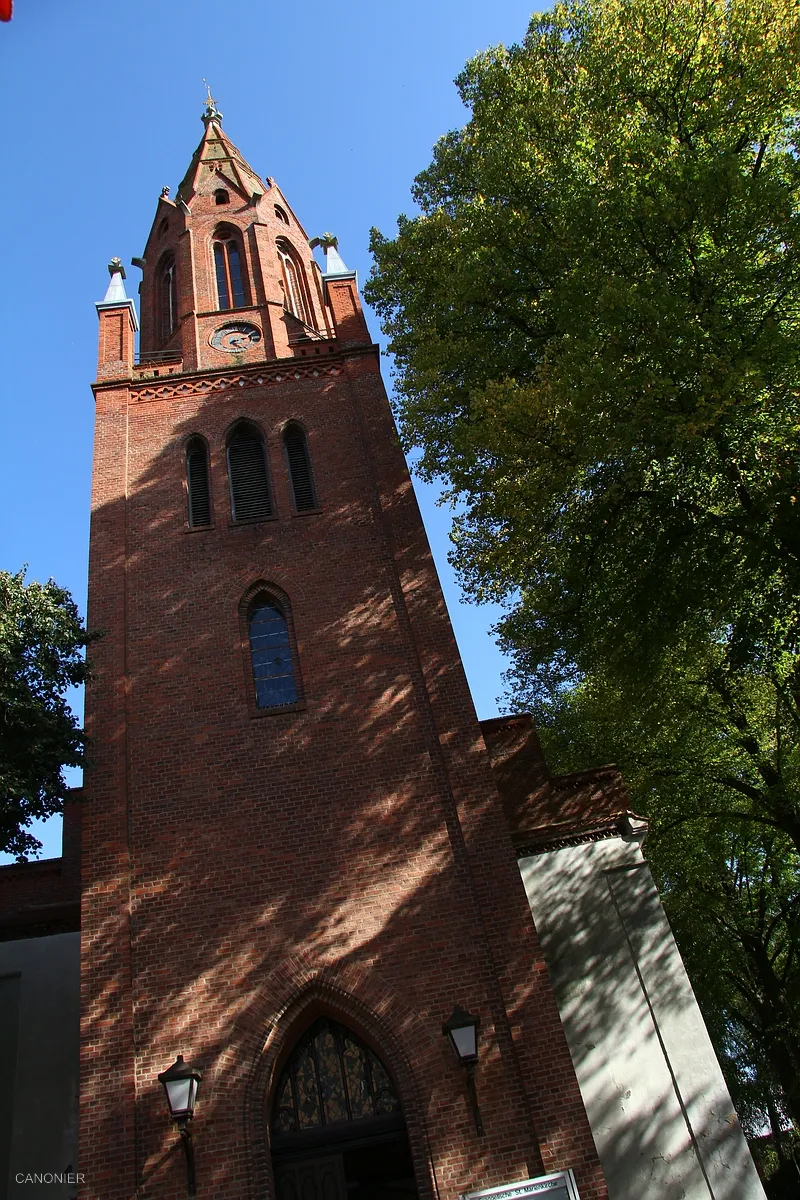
{"x":560,"y":1186}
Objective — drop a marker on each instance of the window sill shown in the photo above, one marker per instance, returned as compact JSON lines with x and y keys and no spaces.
{"x":307,"y":512}
{"x":252,"y":521}
{"x":257,"y":713}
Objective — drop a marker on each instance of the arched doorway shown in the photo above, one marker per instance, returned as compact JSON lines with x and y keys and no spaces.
{"x":337,"y":1129}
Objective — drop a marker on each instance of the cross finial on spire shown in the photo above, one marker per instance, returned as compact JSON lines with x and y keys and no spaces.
{"x":211,"y":112}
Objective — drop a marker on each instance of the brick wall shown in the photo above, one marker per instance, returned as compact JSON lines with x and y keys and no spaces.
{"x":40,"y":898}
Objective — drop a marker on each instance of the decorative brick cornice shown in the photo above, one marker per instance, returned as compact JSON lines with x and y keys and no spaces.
{"x":546,"y":840}
{"x":208,"y":383}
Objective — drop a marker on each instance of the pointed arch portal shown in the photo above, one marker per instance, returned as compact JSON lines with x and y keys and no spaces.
{"x":337,"y":1129}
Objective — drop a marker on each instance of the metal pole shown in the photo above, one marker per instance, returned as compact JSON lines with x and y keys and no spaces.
{"x":473,"y":1095}
{"x":188,"y":1149}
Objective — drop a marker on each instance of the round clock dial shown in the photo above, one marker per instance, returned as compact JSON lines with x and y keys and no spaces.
{"x":235,"y":336}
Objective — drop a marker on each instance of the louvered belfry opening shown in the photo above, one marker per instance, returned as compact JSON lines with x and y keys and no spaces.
{"x":197,"y":479}
{"x":247,"y":467}
{"x":294,"y":439}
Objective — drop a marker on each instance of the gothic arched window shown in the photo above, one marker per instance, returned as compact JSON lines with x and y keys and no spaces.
{"x":167,"y":298}
{"x":295,"y":287}
{"x":297,"y":456}
{"x":221,"y":196}
{"x":198,"y":482}
{"x":331,"y":1077}
{"x":247,"y":471}
{"x":271,"y":653}
{"x":228,"y":268}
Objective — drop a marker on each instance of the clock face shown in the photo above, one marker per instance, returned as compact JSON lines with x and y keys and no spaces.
{"x":235,"y":336}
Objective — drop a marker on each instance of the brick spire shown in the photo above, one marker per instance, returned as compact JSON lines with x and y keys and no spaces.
{"x":217,"y":155}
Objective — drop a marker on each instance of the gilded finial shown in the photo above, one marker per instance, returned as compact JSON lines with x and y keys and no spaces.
{"x":211,"y":112}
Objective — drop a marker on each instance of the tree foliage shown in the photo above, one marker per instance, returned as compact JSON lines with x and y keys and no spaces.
{"x":595,"y":322}
{"x":41,"y":656}
{"x":594,"y":317}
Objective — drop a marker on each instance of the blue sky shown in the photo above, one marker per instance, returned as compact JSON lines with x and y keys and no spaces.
{"x":339,"y":102}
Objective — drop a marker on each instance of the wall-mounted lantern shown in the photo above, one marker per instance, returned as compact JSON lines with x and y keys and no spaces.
{"x":181,"y":1082}
{"x":462,"y":1030}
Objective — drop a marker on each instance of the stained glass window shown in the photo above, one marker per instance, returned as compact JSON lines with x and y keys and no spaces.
{"x":331,"y":1077}
{"x":271,"y":655}
{"x":228,"y":270}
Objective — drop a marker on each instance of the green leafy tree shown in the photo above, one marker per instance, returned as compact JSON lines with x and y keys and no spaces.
{"x":595,"y":325}
{"x":41,"y":656}
{"x":594,"y":318}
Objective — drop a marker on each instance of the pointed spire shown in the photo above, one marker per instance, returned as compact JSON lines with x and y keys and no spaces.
{"x":218,"y":157}
{"x":115,"y":293}
{"x":335,"y":266}
{"x":334,"y":263}
{"x":115,"y":296}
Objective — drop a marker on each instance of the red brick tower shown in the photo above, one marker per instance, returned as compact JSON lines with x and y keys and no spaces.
{"x":293,"y":843}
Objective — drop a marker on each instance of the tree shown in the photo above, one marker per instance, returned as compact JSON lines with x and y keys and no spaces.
{"x":41,"y":655}
{"x":594,"y":318}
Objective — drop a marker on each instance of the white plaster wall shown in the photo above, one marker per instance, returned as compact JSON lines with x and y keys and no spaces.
{"x":660,"y":1112}
{"x":40,"y":1049}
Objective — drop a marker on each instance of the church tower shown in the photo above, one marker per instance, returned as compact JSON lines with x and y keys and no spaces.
{"x":295,"y":859}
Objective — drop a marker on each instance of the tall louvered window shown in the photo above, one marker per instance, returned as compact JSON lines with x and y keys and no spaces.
{"x":294,"y":440}
{"x":247,"y":470}
{"x":270,"y":653}
{"x":167,"y":299}
{"x":198,"y":483}
{"x":228,"y":268}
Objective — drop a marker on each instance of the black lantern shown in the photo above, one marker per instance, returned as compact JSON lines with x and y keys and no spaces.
{"x":181,"y":1083}
{"x":462,"y":1030}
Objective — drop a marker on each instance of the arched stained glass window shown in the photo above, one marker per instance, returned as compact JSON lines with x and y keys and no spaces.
{"x":228,"y":269}
{"x":198,"y":483}
{"x":296,"y":444}
{"x":271,"y":653}
{"x":331,"y":1077}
